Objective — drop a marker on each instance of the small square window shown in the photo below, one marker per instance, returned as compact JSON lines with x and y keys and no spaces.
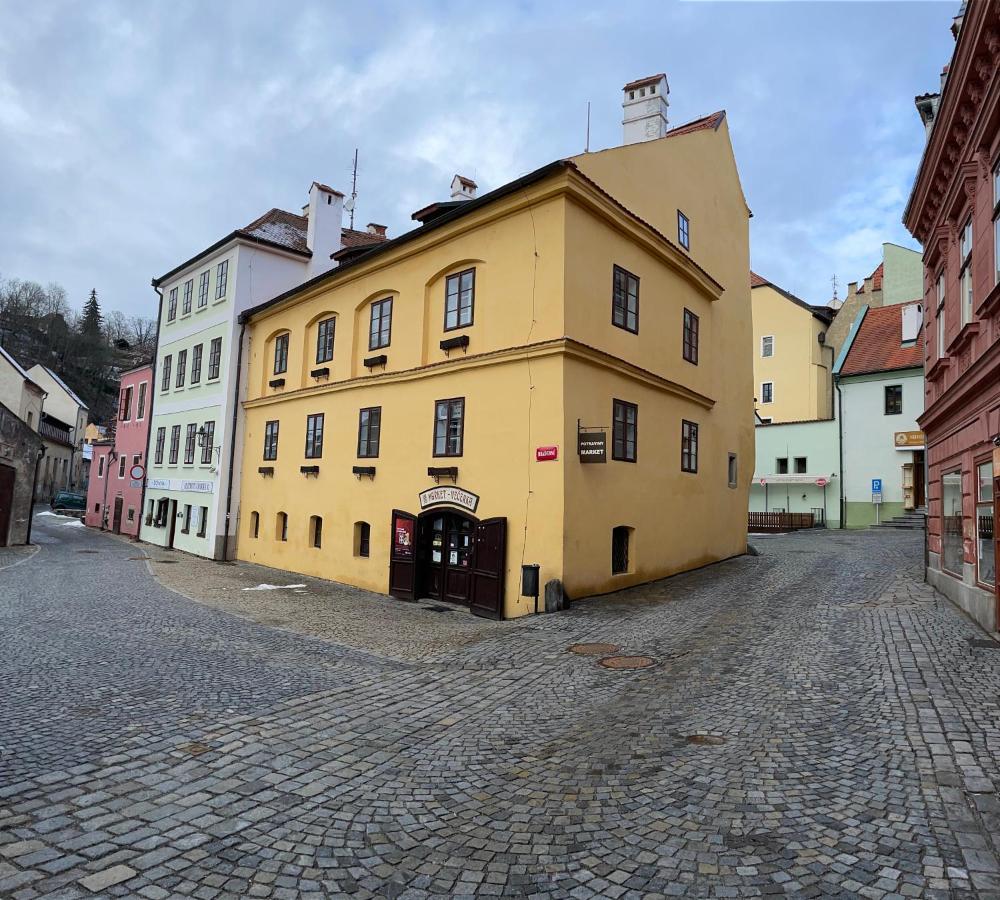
{"x":781,"y":465}
{"x":800,"y":465}
{"x":893,"y":399}
{"x":767,"y":392}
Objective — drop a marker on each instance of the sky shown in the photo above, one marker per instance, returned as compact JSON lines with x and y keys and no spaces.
{"x":134,"y":135}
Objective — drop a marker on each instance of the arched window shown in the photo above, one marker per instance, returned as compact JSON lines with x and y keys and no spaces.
{"x":254,"y":524}
{"x":316,"y":531}
{"x":281,"y":532}
{"x":362,"y":538}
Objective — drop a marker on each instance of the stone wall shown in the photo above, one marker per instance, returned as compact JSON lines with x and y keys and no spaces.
{"x":19,"y":446}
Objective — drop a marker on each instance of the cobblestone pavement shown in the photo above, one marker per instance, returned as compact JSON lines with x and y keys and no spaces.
{"x":818,"y":723}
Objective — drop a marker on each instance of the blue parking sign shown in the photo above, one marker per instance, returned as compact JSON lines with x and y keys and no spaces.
{"x":876,"y":485}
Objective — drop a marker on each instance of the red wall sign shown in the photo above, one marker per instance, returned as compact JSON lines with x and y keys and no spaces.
{"x":544,"y":454}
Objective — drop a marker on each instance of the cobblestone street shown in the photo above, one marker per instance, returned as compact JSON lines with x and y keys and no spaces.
{"x":818,"y":723}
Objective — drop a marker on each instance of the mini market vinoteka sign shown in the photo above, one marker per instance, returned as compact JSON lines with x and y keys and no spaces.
{"x":450,"y":495}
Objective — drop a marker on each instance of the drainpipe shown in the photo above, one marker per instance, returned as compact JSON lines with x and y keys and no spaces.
{"x":232,"y":443}
{"x":840,"y":435}
{"x":149,"y":414}
{"x":34,"y":485}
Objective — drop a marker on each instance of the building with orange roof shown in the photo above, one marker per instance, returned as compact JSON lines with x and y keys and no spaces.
{"x":879,"y":380}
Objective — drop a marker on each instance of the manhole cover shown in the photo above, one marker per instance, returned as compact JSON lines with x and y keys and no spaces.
{"x":984,"y":643}
{"x":88,"y":551}
{"x":710,"y":740}
{"x":194,"y":748}
{"x":628,"y":662}
{"x":593,"y":649}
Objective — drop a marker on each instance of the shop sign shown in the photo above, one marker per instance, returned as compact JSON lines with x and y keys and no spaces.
{"x":176,"y":484}
{"x":544,"y":454}
{"x":909,"y":440}
{"x":451,"y":495}
{"x":592,"y":447}
{"x":402,"y":538}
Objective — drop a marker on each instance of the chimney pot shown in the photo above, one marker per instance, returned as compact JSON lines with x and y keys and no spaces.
{"x":463,"y":188}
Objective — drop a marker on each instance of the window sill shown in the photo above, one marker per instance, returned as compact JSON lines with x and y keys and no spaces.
{"x":937,"y":368}
{"x":990,"y":303}
{"x":965,"y":335}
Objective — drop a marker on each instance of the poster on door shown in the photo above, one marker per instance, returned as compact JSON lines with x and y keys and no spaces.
{"x":402,"y":539}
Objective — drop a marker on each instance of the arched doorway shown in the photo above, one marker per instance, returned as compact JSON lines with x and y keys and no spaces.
{"x":447,"y":554}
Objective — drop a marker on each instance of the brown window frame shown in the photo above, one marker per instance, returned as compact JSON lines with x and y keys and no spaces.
{"x":449,"y":418}
{"x":316,"y":532}
{"x":692,"y":328}
{"x":140,"y":402}
{"x":281,"y":353}
{"x":125,"y":405}
{"x":366,"y":445}
{"x":271,"y":439}
{"x":182,"y":359}
{"x":326,"y":332}
{"x":375,"y":341}
{"x":364,"y":539}
{"x":214,"y":358}
{"x":456,"y":278}
{"x":689,"y":446}
{"x":617,"y":271}
{"x":624,"y":406}
{"x":315,"y":423}
{"x":208,"y":442}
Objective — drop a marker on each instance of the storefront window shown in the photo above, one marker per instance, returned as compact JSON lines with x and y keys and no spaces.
{"x":986,"y":553}
{"x":951,"y":516}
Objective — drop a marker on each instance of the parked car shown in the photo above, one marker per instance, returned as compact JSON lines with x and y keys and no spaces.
{"x":70,"y":503}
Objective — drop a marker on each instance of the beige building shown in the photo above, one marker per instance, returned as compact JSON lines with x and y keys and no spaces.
{"x":793,"y":359}
{"x":63,"y":425}
{"x":21,"y":394}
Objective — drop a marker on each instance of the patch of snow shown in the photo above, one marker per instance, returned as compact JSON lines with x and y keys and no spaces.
{"x":73,"y":523}
{"x":54,"y":515}
{"x":273,"y":587}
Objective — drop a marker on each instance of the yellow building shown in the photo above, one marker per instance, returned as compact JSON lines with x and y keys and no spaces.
{"x":792,"y":359}
{"x":427,"y":417}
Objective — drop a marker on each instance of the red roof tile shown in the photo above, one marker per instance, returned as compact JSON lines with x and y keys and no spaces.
{"x":757,"y":281}
{"x":280,"y":227}
{"x":877,"y":345}
{"x":876,"y":278}
{"x":354,"y":238}
{"x":712,"y":121}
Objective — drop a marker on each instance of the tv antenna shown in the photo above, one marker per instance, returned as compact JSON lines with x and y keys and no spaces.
{"x":586,"y":147}
{"x":833,"y":281}
{"x":350,"y":204}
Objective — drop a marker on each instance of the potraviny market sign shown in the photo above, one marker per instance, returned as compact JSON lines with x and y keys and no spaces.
{"x":449,"y":495}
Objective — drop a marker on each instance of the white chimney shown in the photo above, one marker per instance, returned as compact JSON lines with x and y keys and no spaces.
{"x":644,"y":109}
{"x":463,"y":188}
{"x":324,"y":233}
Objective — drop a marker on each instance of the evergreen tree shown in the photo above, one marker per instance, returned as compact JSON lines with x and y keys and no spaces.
{"x":90,"y":321}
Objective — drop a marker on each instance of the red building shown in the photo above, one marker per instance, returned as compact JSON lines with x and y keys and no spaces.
{"x":114,"y":498}
{"x":954,"y":211}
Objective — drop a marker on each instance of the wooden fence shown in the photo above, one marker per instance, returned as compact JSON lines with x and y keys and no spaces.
{"x":759,"y":522}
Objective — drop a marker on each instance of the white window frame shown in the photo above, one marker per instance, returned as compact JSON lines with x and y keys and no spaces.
{"x":940,"y":314}
{"x":762,"y":385}
{"x":996,"y":223}
{"x":965,"y":274}
{"x":766,"y":337}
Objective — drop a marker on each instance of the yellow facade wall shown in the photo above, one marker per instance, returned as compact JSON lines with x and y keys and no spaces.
{"x":800,"y":367}
{"x":542,"y":354}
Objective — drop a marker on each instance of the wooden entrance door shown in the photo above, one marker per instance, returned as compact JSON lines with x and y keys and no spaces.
{"x":445,"y":549}
{"x":116,"y":520}
{"x":6,"y":502}
{"x":489,"y":567}
{"x":402,"y":560}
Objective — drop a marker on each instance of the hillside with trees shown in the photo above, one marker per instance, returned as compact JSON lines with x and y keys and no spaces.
{"x":87,"y":349}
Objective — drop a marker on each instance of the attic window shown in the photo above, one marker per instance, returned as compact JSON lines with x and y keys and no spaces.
{"x":631,"y":95}
{"x":329,"y":199}
{"x":652,"y":89}
{"x":642,"y":92}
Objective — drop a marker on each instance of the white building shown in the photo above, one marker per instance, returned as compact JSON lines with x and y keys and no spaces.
{"x":880,"y":382}
{"x":192,"y":479}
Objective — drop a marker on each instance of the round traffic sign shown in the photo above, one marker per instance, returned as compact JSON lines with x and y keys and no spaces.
{"x":137,"y":472}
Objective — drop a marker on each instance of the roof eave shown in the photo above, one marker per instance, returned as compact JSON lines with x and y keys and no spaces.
{"x":235,"y":236}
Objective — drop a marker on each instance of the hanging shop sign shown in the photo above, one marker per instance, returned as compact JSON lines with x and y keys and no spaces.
{"x":592,"y":446}
{"x":449,"y":495}
{"x":908,"y":440}
{"x":545,"y":454}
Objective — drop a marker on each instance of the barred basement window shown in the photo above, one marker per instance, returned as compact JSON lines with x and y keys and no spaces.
{"x":281,"y":529}
{"x":316,"y":531}
{"x":254,"y":524}
{"x":619,"y":549}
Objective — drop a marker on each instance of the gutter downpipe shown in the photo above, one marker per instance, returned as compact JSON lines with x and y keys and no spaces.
{"x":232,"y":442}
{"x":149,"y":414}
{"x":840,"y":448}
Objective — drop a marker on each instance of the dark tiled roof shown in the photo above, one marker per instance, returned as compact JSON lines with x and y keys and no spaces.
{"x":823,"y":313}
{"x":877,"y":345}
{"x":280,"y":227}
{"x":354,"y":238}
{"x":639,"y":82}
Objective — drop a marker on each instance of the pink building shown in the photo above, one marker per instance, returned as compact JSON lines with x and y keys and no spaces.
{"x":114,"y":498}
